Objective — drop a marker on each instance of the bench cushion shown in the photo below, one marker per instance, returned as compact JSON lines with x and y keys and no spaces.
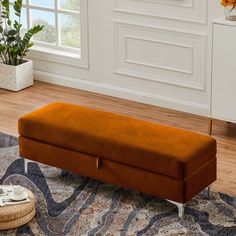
{"x":165,"y":150}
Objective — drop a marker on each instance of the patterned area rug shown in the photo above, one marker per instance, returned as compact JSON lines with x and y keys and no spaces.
{"x":76,"y":205}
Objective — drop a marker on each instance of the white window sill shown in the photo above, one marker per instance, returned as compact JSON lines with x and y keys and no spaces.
{"x":57,"y":56}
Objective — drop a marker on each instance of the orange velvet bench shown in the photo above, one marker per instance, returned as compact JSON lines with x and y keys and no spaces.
{"x":168,"y":162}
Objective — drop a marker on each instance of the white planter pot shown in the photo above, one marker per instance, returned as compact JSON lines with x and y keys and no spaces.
{"x":15,"y":78}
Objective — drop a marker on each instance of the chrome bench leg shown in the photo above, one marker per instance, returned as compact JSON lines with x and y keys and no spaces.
{"x":26,"y":161}
{"x":209,"y":192}
{"x":181,"y":208}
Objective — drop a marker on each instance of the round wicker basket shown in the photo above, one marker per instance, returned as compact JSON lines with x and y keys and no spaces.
{"x":13,"y":216}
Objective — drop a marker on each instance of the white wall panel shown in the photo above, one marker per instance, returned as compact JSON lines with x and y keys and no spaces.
{"x":161,"y":54}
{"x":185,"y":10}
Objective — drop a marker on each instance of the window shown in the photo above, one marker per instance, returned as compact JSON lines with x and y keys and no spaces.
{"x":65,"y":25}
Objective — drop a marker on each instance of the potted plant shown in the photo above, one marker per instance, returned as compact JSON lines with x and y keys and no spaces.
{"x":16,"y":73}
{"x":230,"y":9}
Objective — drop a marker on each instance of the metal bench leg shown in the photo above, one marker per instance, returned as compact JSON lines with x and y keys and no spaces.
{"x":209,"y":192}
{"x":26,"y":161}
{"x":181,"y":208}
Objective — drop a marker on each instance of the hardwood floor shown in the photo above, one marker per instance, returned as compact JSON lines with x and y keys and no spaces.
{"x":13,"y":105}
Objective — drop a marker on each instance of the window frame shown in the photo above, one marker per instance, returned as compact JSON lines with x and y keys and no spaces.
{"x":62,"y":54}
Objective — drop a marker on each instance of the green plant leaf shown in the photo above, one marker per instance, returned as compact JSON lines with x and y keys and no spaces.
{"x":12,"y":32}
{"x":13,"y":47}
{"x":11,"y":39}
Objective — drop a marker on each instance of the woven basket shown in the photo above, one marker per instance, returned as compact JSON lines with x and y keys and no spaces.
{"x":13,"y":216}
{"x":18,"y":222}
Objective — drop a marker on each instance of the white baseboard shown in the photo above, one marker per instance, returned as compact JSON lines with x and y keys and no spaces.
{"x":119,"y":92}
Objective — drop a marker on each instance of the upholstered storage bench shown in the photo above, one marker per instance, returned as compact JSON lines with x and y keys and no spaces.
{"x":171,"y":163}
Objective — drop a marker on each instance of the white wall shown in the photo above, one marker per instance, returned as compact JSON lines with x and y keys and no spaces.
{"x":152,"y":51}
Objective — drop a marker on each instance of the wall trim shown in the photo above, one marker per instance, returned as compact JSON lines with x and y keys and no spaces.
{"x":127,"y":37}
{"x":202,"y":20}
{"x":200,"y":85}
{"x":124,"y":93}
{"x":163,"y":2}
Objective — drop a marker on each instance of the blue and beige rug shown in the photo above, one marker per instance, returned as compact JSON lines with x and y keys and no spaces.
{"x":76,"y":205}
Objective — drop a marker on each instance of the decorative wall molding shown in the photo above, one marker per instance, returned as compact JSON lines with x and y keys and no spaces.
{"x":176,"y":3}
{"x":163,"y":43}
{"x":185,"y":10}
{"x":162,"y":55}
{"x":124,"y":93}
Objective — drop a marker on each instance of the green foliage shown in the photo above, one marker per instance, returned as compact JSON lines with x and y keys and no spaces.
{"x":13,"y":47}
{"x":73,"y":5}
{"x":48,"y":34}
{"x":70,"y":33}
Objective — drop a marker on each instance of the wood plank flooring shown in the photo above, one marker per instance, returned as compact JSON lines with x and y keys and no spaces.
{"x":15,"y":104}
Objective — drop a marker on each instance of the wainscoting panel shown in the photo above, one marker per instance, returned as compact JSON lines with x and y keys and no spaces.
{"x":185,"y":10}
{"x":161,"y":55}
